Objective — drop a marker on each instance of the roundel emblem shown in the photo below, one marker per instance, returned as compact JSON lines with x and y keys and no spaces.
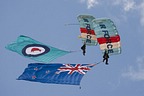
{"x":34,"y":50}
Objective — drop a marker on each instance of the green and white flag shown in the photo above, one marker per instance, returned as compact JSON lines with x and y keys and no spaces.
{"x":35,"y":50}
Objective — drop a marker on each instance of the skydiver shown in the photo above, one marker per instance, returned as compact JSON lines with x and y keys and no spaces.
{"x":84,"y":48}
{"x":105,"y":57}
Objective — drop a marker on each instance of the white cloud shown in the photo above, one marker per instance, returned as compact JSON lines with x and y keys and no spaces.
{"x":129,"y":5}
{"x":136,"y":73}
{"x":142,"y":13}
{"x":90,"y":3}
{"x":126,"y":4}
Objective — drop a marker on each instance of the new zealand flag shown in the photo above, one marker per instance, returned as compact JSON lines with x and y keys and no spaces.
{"x":55,"y":73}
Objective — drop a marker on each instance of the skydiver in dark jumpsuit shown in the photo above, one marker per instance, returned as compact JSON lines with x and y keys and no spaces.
{"x":84,"y":48}
{"x":105,"y":57}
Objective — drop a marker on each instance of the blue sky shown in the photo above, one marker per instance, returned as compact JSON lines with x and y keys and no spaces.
{"x":45,"y":20}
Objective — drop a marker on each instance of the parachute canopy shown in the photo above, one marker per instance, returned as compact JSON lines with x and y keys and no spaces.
{"x":87,"y":30}
{"x":35,"y":50}
{"x":102,"y":31}
{"x":107,"y":35}
{"x":55,"y":73}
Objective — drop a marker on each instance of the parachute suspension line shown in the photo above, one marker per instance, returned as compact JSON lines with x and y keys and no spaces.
{"x":99,"y":62}
{"x":71,"y":24}
{"x":75,"y":51}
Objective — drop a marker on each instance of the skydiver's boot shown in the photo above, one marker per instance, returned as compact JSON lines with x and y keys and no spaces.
{"x":83,"y":53}
{"x":106,"y":62}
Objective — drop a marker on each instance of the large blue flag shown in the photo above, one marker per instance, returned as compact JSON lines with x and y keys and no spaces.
{"x":35,"y":50}
{"x":55,"y":73}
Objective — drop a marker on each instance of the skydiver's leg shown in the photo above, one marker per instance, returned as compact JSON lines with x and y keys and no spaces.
{"x":103,"y":59}
{"x":106,"y":60}
{"x":83,"y":49}
{"x":84,"y":52}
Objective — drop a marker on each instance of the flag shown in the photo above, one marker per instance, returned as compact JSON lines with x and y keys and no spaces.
{"x":55,"y":73}
{"x":35,"y":50}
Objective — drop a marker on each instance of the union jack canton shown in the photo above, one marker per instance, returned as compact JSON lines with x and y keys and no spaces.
{"x":71,"y":68}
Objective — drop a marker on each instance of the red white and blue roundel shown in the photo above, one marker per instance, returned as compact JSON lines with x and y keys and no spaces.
{"x":34,"y":50}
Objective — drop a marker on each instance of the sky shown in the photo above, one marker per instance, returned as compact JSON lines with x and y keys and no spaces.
{"x":47,"y":21}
